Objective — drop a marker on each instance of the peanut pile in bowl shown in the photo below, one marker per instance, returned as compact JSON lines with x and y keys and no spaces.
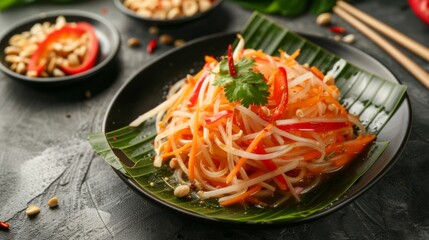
{"x":60,"y":54}
{"x":168,"y":9}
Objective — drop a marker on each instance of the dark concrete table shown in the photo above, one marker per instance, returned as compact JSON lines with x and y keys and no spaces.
{"x":43,"y":151}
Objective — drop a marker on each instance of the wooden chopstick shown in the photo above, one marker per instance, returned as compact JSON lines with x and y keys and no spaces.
{"x":405,"y":61}
{"x":393,"y":34}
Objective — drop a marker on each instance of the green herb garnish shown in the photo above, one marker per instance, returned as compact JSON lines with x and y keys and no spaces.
{"x":248,"y":87}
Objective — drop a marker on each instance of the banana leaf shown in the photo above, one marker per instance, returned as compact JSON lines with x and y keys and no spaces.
{"x":129,"y":150}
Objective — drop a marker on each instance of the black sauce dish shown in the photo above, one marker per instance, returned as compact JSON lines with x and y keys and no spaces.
{"x":108,"y":41}
{"x":164,"y":22}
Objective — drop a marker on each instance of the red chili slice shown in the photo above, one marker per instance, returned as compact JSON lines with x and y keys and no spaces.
{"x":36,"y":63}
{"x":218,"y":116}
{"x":260,"y":149}
{"x":280,"y":96}
{"x":196,"y":91}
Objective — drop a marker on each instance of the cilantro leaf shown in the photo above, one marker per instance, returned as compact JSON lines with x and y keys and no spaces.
{"x":248,"y":87}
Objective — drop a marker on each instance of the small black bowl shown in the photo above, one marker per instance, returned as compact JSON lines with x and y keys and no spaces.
{"x":160,"y":22}
{"x":108,"y":39}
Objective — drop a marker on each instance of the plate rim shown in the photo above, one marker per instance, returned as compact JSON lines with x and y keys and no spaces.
{"x":340,"y":203}
{"x":114,"y":42}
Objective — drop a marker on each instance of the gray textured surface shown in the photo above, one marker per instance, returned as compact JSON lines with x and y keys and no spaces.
{"x":43,"y":151}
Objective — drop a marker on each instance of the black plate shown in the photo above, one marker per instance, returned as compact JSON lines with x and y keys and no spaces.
{"x":108,"y":38}
{"x":145,"y":90}
{"x":119,"y":4}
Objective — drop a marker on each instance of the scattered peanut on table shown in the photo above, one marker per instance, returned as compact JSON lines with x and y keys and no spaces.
{"x":179,"y":42}
{"x":154,"y":30}
{"x":165,"y":39}
{"x":349,"y":38}
{"x":53,"y":202}
{"x":133,"y":42}
{"x":32,"y":210}
{"x":324,"y":19}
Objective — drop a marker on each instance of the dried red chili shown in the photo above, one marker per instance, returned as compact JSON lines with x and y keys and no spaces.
{"x":4,"y":225}
{"x":231,"y":67}
{"x":337,"y":29}
{"x":151,"y":46}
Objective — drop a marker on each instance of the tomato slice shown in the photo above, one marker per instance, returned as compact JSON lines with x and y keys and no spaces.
{"x":421,"y":9}
{"x":70,"y":32}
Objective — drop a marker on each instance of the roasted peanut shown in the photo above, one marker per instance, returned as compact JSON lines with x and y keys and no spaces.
{"x":53,"y":202}
{"x":350,"y":38}
{"x":73,"y":60}
{"x":81,"y":51}
{"x":182,"y":190}
{"x":60,"y":22}
{"x":204,"y":5}
{"x":328,"y":79}
{"x":165,"y":39}
{"x":189,"y":7}
{"x":173,"y":163}
{"x":51,"y":65}
{"x":323,"y":19}
{"x":58,"y":73}
{"x":179,"y":42}
{"x":12,"y":50}
{"x":32,"y":210}
{"x":154,"y":30}
{"x":159,"y":14}
{"x":174,"y":13}
{"x":31,"y":74}
{"x":13,"y":59}
{"x":133,"y":42}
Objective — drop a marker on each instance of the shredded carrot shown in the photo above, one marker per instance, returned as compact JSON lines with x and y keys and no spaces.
{"x":294,"y":55}
{"x":317,"y":72}
{"x":352,"y":146}
{"x":241,"y":197}
{"x":251,"y":147}
{"x":179,"y":150}
{"x":210,"y":59}
{"x":216,"y":183}
{"x":170,"y":111}
{"x":256,"y":201}
{"x":255,"y":54}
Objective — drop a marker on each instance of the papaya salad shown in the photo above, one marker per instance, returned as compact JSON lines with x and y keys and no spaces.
{"x":253,"y":129}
